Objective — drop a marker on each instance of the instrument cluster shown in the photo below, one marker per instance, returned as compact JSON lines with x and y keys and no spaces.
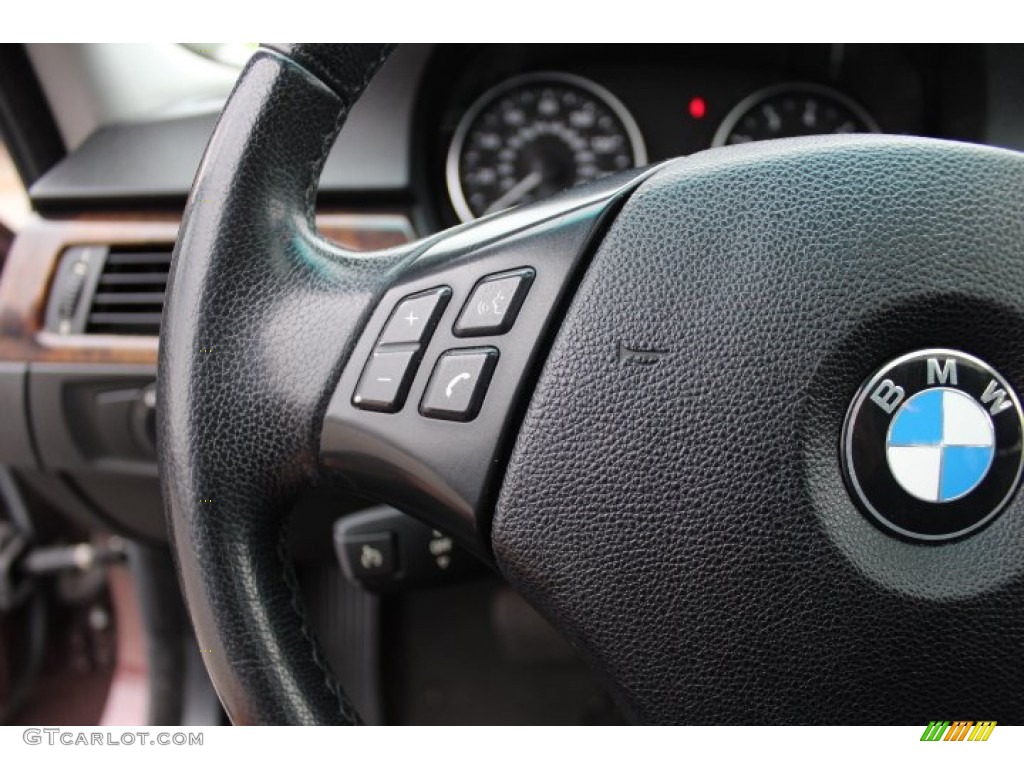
{"x":514,"y":124}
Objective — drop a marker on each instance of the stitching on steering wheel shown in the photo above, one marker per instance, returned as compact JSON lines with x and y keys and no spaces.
{"x":345,"y":706}
{"x":347,"y":99}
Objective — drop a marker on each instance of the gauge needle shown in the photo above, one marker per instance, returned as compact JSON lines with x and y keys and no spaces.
{"x":522,"y":188}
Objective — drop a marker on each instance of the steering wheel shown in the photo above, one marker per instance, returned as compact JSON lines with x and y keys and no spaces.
{"x":630,"y":399}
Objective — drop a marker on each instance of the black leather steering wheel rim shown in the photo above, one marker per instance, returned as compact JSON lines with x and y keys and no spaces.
{"x":248,"y":249}
{"x":689,"y":398}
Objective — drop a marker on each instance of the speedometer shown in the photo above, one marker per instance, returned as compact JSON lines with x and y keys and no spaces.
{"x":535,"y":135}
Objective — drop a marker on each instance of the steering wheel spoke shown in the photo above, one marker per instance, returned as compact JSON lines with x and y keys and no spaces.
{"x":423,"y":414}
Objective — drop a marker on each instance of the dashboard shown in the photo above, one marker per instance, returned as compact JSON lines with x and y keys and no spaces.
{"x":444,"y":134}
{"x":410,"y":141}
{"x":511,"y":124}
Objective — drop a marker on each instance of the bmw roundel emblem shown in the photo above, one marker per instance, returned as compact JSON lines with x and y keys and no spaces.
{"x":932,"y":446}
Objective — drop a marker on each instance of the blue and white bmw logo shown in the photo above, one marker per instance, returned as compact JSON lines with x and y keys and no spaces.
{"x":933,"y":445}
{"x":940,"y":445}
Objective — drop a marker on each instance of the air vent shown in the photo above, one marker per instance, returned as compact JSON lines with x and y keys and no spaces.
{"x":129,"y":296}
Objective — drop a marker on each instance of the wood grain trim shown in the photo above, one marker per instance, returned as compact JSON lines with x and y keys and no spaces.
{"x":365,"y":232}
{"x":32,"y":262}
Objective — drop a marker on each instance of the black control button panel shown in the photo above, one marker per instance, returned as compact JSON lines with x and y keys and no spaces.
{"x":389,"y":372}
{"x":415,"y":317}
{"x":384,"y":550}
{"x":438,"y":455}
{"x":458,"y":384}
{"x":386,"y":378}
{"x":369,"y":556}
{"x":494,"y":303}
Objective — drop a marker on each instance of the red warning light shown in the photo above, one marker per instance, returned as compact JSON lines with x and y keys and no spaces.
{"x":697,"y":108}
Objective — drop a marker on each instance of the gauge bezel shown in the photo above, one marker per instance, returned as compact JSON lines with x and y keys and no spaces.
{"x":453,"y":177}
{"x":732,"y":119}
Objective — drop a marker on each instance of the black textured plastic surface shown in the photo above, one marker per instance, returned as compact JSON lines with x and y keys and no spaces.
{"x":683,"y":516}
{"x":447,"y":471}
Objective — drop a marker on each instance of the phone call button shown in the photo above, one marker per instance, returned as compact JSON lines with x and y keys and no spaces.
{"x":458,"y":383}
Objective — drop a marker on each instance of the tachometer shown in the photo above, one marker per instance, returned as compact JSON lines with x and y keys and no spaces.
{"x":535,"y":135}
{"x":797,"y":109}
